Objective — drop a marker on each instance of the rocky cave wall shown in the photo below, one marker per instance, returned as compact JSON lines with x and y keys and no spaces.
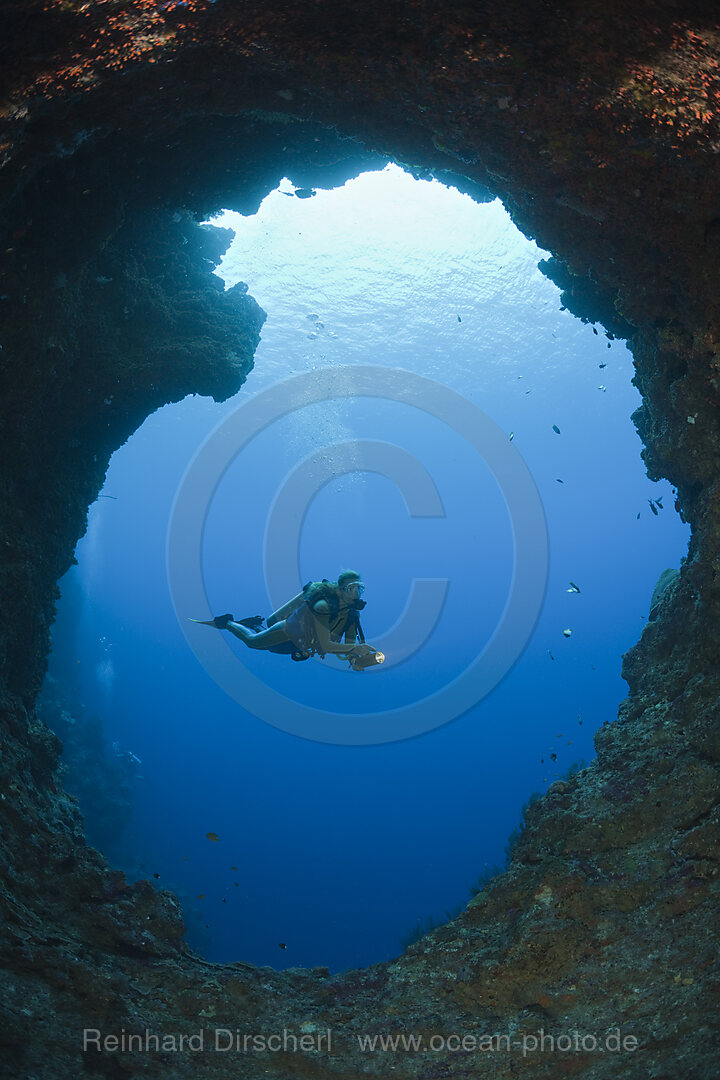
{"x":124,"y":123}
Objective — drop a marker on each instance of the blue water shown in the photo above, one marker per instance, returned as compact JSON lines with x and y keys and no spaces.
{"x":340,"y":849}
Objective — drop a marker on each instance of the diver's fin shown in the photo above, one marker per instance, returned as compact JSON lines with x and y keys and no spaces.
{"x":219,"y":622}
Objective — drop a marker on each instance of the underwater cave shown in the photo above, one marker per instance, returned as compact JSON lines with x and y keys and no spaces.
{"x":114,"y":156}
{"x":391,"y":261}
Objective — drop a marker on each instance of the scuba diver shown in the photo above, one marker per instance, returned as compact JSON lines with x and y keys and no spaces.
{"x":323,"y":618}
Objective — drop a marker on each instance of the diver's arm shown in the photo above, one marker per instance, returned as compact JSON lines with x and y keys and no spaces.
{"x":285,"y":610}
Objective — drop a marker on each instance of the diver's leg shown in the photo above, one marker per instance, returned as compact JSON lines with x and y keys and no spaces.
{"x":264,"y":640}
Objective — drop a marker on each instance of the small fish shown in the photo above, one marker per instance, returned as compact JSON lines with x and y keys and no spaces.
{"x":234,"y":868}
{"x":282,"y":945}
{"x":553,"y":757}
{"x":156,"y":875}
{"x":556,"y":429}
{"x":602,"y":365}
{"x":658,"y":503}
{"x":594,"y":331}
{"x":638,"y":516}
{"x":653,"y":507}
{"x":511,"y":436}
{"x":212,"y":836}
{"x":224,"y":901}
{"x":550,"y":655}
{"x":567,"y":632}
{"x":580,"y":723}
{"x":459,"y":319}
{"x":304,"y":192}
{"x":201,"y":896}
{"x":558,"y":480}
{"x":573,"y":587}
{"x":313,"y":316}
{"x":236,"y":884}
{"x":603,"y":388}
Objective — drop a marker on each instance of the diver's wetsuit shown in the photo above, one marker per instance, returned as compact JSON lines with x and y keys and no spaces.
{"x":293,"y":628}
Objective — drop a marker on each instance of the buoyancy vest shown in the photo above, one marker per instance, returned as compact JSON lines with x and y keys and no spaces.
{"x":301,"y":625}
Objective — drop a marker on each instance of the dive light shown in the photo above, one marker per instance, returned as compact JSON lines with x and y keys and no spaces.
{"x":359,"y":663}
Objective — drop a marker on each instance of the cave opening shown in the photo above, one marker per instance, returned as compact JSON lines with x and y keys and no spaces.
{"x":340,"y":851}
